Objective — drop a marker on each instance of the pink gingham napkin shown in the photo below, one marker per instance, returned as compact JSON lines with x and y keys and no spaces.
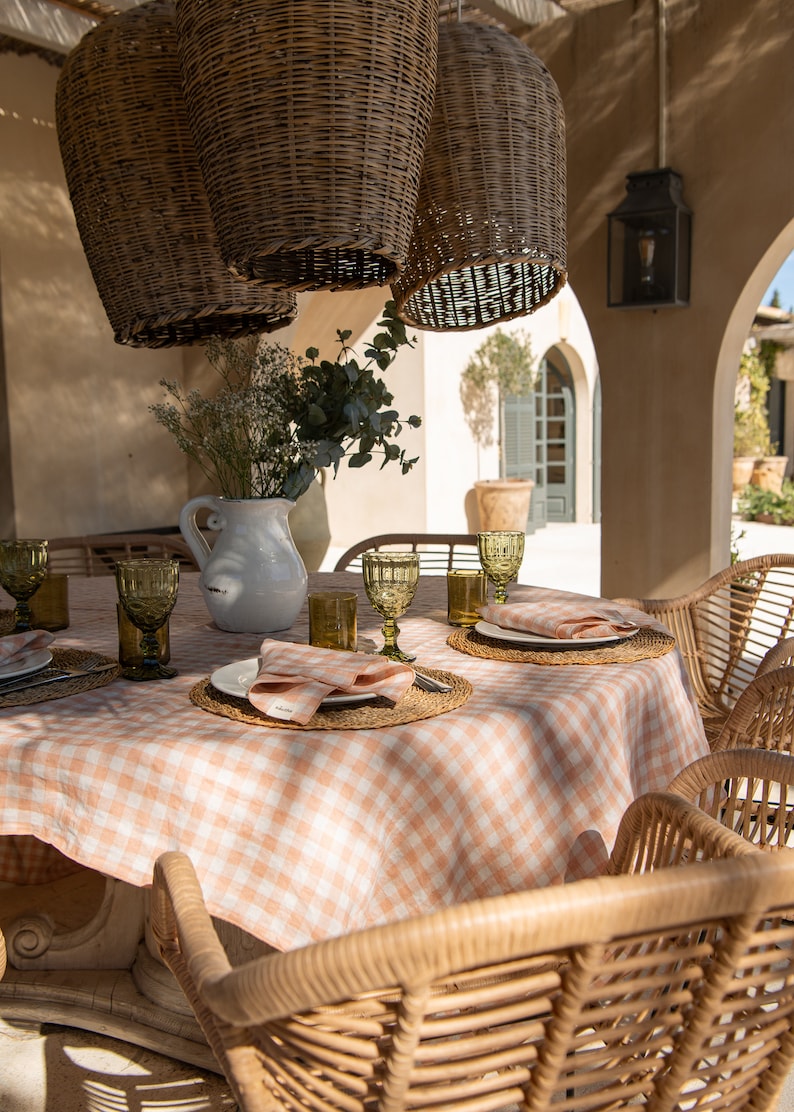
{"x":294,"y":679}
{"x":14,"y":647}
{"x":563,"y":615}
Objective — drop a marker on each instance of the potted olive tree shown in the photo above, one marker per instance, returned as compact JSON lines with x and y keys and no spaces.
{"x":503,"y":364}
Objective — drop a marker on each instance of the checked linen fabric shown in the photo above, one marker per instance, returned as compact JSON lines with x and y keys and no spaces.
{"x":299,"y":835}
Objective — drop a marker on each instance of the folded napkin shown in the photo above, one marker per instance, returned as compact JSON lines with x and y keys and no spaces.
{"x":562,"y":615}
{"x":14,"y":647}
{"x":294,"y":679}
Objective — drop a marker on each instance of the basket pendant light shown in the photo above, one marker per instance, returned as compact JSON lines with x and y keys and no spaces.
{"x":489,"y":240}
{"x":137,"y":193}
{"x":310,"y":119}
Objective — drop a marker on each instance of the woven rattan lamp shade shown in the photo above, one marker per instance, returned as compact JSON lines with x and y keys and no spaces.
{"x":310,"y":118}
{"x":488,"y":243}
{"x":137,"y":192}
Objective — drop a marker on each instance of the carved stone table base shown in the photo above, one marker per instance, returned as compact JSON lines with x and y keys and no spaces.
{"x":95,"y":971}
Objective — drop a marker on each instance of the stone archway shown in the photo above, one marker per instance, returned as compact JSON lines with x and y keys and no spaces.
{"x":730,"y":351}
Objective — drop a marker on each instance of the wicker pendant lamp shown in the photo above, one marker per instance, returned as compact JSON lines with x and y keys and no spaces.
{"x":310,"y":119}
{"x":137,"y":192}
{"x":488,"y":243}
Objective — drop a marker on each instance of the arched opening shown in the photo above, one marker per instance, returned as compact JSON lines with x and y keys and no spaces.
{"x":733,"y":341}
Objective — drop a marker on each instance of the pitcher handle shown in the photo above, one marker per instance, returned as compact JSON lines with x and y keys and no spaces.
{"x":195,"y":539}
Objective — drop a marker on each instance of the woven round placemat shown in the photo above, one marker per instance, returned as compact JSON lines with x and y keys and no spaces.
{"x":644,"y":645}
{"x":413,"y":706}
{"x":72,"y":685}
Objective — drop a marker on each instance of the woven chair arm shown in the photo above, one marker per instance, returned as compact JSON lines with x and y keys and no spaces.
{"x":779,"y":655}
{"x":662,"y":829}
{"x":181,"y":922}
{"x":415,"y":953}
{"x":730,"y":764}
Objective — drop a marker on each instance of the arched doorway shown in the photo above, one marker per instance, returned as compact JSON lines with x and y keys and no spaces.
{"x":539,"y":439}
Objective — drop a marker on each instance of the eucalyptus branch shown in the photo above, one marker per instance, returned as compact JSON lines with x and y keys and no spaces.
{"x":277,"y":418}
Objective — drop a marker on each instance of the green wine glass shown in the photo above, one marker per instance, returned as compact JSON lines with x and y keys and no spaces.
{"x":390,"y":580}
{"x":501,"y":553}
{"x":23,"y":566}
{"x":147,"y":592}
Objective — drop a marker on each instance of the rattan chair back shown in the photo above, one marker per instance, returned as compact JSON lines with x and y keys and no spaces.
{"x":725,"y":628}
{"x":97,"y":554}
{"x":489,"y":240}
{"x":670,"y":989}
{"x":310,"y":119}
{"x":438,"y":552}
{"x":763,"y":716}
{"x":750,"y":791}
{"x":136,"y":189}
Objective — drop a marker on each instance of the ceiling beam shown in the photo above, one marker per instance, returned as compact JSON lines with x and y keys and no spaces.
{"x":516,"y":15}
{"x":43,"y":24}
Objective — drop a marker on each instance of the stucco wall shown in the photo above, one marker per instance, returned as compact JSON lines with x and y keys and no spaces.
{"x":667,"y":376}
{"x":85,"y":456}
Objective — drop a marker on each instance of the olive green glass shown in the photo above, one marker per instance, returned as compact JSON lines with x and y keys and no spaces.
{"x":467,"y":591}
{"x":390,"y":580}
{"x":501,"y":554}
{"x":23,"y":566}
{"x":147,"y":592}
{"x":332,"y":620}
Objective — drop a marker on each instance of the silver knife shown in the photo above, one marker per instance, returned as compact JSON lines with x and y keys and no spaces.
{"x":39,"y":679}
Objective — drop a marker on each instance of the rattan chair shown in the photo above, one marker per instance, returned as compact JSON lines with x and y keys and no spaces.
{"x":750,"y":791}
{"x":438,"y":552}
{"x":635,"y":988}
{"x":763,"y":715}
{"x":97,"y":555}
{"x":726,"y":627}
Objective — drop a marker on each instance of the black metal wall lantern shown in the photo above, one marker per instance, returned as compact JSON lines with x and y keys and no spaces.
{"x":648,"y":252}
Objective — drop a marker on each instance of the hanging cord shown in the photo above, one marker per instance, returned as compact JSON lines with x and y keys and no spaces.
{"x":662,"y":70}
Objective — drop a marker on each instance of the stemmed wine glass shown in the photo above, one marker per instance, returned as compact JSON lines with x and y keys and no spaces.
{"x":390,"y":580}
{"x":147,"y":591}
{"x":23,"y":566}
{"x":501,"y":554}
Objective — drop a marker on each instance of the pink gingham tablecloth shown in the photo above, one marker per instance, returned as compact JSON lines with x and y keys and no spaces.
{"x":301,"y":835}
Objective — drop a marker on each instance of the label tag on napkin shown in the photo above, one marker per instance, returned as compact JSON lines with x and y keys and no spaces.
{"x":283,"y":710}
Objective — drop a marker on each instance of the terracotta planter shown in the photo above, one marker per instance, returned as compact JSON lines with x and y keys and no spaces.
{"x":504,"y":503}
{"x":768,"y":473}
{"x":742,"y":472}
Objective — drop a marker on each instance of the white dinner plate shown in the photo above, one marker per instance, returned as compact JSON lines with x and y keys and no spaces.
{"x":235,"y":679}
{"x":31,"y":662}
{"x":518,"y":637}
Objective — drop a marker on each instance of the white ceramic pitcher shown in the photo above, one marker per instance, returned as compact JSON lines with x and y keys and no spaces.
{"x":253,"y":578}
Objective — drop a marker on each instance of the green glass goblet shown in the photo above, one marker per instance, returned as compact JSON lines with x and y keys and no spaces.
{"x":390,"y":580}
{"x":501,"y":553}
{"x":23,"y":566}
{"x":147,"y":592}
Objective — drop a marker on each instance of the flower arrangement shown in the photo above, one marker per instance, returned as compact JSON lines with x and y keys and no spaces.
{"x":278,"y":418}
